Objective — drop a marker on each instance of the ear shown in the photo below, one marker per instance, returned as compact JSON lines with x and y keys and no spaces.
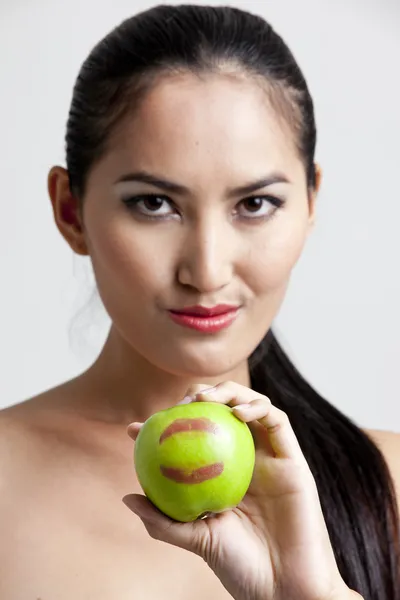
{"x":66,"y":210}
{"x":312,"y":199}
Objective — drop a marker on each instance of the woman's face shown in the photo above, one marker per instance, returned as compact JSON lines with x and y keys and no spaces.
{"x":198,"y":239}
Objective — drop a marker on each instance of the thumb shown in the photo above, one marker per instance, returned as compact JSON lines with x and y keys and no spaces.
{"x":193,"y":536}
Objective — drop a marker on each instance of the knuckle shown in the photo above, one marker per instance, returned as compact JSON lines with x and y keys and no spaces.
{"x":283,"y":416}
{"x":266,"y":399}
{"x":262,"y":401}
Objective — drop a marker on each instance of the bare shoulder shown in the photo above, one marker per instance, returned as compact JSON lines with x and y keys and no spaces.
{"x":19,"y":461}
{"x":37,"y":415}
{"x":15,"y":437}
{"x":383,"y":437}
{"x":26,"y":433}
{"x":19,"y":443}
{"x":388,"y":443}
{"x":19,"y":423}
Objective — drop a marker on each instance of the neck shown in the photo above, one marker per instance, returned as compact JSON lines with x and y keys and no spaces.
{"x":122,"y":387}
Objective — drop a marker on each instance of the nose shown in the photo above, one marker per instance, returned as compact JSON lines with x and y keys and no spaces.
{"x":207,"y":261}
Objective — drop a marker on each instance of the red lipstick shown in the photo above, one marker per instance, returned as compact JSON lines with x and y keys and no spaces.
{"x":205,"y":319}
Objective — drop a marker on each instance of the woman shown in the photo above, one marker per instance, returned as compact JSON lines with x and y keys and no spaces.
{"x":191,"y":181}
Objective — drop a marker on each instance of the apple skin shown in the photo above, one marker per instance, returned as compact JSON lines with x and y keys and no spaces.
{"x":194,"y":458}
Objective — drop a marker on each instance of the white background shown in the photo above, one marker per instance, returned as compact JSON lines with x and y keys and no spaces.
{"x":340,"y":320}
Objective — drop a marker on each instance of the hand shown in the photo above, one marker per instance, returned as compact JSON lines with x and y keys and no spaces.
{"x":275,"y":544}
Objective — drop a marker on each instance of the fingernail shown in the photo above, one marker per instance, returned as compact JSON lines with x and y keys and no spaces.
{"x":186,"y":400}
{"x":131,"y":505}
{"x":207,"y":391}
{"x":243,"y":407}
{"x":139,"y":512}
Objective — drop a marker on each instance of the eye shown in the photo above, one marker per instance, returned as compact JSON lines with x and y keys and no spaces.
{"x":149,"y":205}
{"x":261,"y":206}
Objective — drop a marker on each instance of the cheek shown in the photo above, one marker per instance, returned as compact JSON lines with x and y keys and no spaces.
{"x":128,"y":262}
{"x":276,"y":253}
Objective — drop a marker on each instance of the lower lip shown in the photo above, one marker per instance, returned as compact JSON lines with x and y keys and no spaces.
{"x":205,"y":324}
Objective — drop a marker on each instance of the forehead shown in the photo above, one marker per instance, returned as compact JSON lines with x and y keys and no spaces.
{"x":216,"y":124}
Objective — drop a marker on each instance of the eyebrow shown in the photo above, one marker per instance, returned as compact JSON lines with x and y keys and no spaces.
{"x":176,"y":188}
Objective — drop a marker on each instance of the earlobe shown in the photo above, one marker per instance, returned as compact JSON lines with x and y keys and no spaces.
{"x":66,"y":210}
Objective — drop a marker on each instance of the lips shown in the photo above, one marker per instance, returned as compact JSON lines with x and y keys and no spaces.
{"x":203,"y":311}
{"x":201,"y":474}
{"x":204,"y":322}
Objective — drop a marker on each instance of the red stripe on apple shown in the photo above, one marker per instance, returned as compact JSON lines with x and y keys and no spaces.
{"x":196,"y":476}
{"x":181,"y":425}
{"x":202,"y":473}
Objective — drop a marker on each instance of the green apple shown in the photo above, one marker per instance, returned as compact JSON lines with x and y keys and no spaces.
{"x":193,"y":459}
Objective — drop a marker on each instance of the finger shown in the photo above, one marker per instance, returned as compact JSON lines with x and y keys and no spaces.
{"x":254,"y":410}
{"x":191,"y":536}
{"x":192,"y":390}
{"x":229,"y":392}
{"x":133,"y":430}
{"x":281,"y":436}
{"x":276,"y":425}
{"x":251,"y":414}
{"x":240,"y":397}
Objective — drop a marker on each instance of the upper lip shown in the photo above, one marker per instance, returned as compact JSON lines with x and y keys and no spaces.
{"x":207,"y":311}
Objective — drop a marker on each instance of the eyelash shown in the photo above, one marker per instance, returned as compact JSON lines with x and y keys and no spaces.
{"x":132,"y":203}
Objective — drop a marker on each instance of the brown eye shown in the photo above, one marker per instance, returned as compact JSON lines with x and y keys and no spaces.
{"x":253,"y":204}
{"x":153,"y":202}
{"x":260,"y":206}
{"x":149,"y":205}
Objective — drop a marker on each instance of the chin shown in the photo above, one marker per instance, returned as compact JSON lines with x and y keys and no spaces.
{"x":202,"y":362}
